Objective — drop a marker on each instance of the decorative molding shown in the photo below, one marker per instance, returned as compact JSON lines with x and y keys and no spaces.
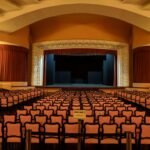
{"x":121,"y":48}
{"x":64,"y":44}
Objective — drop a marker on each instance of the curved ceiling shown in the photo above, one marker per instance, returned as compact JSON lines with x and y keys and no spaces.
{"x":16,"y":14}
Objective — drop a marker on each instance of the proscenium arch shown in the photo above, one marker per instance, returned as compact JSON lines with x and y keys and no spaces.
{"x":121,"y":48}
{"x":12,"y":21}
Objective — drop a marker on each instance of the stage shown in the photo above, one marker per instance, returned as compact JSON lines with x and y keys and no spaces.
{"x":79,"y":86}
{"x":57,"y":87}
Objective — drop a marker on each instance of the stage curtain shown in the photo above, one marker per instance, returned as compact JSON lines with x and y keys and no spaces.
{"x":115,"y":71}
{"x":141,"y":65}
{"x":13,"y":63}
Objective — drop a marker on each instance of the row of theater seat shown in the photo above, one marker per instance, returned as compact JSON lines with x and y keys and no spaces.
{"x":90,"y":133}
{"x":108,"y":118}
{"x":138,"y":97}
{"x":12,"y":98}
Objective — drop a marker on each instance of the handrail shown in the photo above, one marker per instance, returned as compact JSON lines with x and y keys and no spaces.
{"x":128,"y":141}
{"x":28,"y":140}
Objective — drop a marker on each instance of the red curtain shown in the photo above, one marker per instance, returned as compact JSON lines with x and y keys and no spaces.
{"x":13,"y":63}
{"x":141,"y":65}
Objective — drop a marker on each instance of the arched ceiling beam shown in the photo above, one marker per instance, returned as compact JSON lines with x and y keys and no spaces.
{"x":29,"y":14}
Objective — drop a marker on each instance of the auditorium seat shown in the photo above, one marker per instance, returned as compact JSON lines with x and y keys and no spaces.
{"x":113,"y":113}
{"x":127,"y":114}
{"x":13,"y":132}
{"x":41,"y":108}
{"x":138,"y":120}
{"x":48,"y":113}
{"x":34,"y":112}
{"x":63,"y":113}
{"x":20,"y":112}
{"x":71,"y":119}
{"x":109,"y":134}
{"x":35,"y":128}
{"x":70,"y":133}
{"x":119,"y":120}
{"x":57,"y":119}
{"x":145,"y":134}
{"x":120,"y":109}
{"x":54,"y":108}
{"x":91,"y":133}
{"x":147,"y":119}
{"x":41,"y":119}
{"x":52,"y":133}
{"x":131,"y":127}
{"x":88,"y":119}
{"x":9,"y":118}
{"x":24,"y":119}
{"x":102,"y":120}
{"x":98,"y":113}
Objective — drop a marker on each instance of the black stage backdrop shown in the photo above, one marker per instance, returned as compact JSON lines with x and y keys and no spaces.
{"x":79,"y":69}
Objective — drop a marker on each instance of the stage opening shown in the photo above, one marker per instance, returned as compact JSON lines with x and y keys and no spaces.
{"x":79,"y":69}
